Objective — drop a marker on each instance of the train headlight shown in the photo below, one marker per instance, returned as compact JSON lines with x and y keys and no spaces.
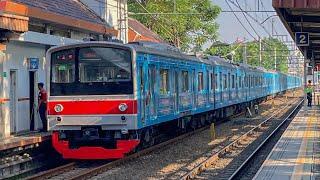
{"x":58,"y":108}
{"x":123,"y":107}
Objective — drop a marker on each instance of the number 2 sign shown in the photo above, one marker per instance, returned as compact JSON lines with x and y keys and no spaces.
{"x":302,"y":39}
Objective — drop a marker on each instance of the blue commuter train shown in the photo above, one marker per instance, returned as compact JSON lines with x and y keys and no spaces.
{"x":107,"y":99}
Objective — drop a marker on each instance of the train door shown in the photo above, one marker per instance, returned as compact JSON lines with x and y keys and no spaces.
{"x":208,"y":81}
{"x":142,"y":94}
{"x":176,"y":90}
{"x":194,"y":86}
{"x":151,"y":100}
{"x":229,"y":86}
{"x":13,"y":101}
{"x":221,"y":85}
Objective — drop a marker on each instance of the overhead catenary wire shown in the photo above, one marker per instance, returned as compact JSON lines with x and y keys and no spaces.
{"x":249,"y":22}
{"x":254,"y":19}
{"x":243,"y":26}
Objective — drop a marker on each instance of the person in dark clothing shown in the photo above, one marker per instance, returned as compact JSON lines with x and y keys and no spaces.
{"x":309,"y":90}
{"x":42,"y":106}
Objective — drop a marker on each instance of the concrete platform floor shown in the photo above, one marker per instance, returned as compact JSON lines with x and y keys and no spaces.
{"x":297,"y":153}
{"x":24,"y":140}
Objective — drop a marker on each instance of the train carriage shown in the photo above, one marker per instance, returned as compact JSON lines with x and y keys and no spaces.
{"x":108,"y":99}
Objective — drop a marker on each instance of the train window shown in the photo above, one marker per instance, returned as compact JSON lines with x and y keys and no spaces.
{"x":99,"y":64}
{"x":225,"y":82}
{"x":63,"y":66}
{"x":246,"y":81}
{"x":216,"y":81}
{"x":164,"y":81}
{"x":185,"y":81}
{"x":212,"y":81}
{"x":152,"y":75}
{"x":141,"y":79}
{"x":239,"y":82}
{"x":233,"y":81}
{"x":200,"y":81}
{"x":229,"y":81}
{"x":221,"y":81}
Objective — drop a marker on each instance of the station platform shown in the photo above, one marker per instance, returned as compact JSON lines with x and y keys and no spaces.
{"x":23,"y":140}
{"x":297,"y":153}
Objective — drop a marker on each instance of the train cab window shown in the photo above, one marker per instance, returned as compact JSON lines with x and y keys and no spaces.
{"x":185,"y":81}
{"x":63,"y":67}
{"x":164,"y":81}
{"x":200,"y":81}
{"x":98,"y":64}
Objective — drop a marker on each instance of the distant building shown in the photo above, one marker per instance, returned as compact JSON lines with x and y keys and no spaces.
{"x":114,"y":12}
{"x":27,"y":29}
{"x":139,"y":32}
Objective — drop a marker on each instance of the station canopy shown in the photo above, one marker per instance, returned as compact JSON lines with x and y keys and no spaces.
{"x":302,"y":16}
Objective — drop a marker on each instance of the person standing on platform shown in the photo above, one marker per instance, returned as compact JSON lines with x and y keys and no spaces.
{"x":309,"y":90}
{"x":42,"y":106}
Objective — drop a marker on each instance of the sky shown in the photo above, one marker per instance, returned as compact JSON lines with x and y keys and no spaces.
{"x":230,"y":29}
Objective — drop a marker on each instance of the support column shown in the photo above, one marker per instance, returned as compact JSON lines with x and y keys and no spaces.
{"x":305,"y":68}
{"x":2,"y":101}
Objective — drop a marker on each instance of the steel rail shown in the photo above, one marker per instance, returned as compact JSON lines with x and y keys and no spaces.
{"x":103,"y":168}
{"x":206,"y":163}
{"x":263,"y":143}
{"x":91,"y":172}
{"x":53,"y":172}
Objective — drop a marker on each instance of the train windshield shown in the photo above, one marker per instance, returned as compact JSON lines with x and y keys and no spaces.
{"x":91,"y":71}
{"x":104,"y":65}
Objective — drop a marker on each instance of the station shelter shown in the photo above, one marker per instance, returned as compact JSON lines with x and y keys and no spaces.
{"x":296,"y":154}
{"x":302,"y":20}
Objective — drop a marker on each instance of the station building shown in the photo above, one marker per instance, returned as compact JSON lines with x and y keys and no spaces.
{"x":27,"y":29}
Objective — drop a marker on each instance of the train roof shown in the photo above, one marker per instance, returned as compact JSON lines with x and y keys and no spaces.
{"x":164,"y":50}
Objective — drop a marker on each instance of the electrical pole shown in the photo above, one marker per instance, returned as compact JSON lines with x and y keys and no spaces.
{"x":260,"y":52}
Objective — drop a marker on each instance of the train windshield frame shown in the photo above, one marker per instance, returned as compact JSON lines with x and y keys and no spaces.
{"x":94,"y":70}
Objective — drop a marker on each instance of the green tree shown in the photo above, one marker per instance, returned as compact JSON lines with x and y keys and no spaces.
{"x":269,"y":46}
{"x":192,"y":26}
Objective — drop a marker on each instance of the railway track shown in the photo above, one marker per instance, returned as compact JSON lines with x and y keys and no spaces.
{"x":262,"y":144}
{"x":240,"y":150}
{"x":83,"y":170}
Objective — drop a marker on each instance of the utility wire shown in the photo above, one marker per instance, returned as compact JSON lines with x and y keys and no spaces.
{"x":239,"y":7}
{"x":243,"y":26}
{"x":249,"y":21}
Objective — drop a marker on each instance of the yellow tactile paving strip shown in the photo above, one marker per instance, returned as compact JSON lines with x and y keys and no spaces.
{"x":293,"y":157}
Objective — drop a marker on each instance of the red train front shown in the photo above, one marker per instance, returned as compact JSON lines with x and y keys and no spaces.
{"x":92,"y":108}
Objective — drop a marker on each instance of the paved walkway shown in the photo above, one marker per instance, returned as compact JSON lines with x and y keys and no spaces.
{"x":297,"y":154}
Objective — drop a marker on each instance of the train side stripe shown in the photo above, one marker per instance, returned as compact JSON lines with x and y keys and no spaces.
{"x":92,"y":107}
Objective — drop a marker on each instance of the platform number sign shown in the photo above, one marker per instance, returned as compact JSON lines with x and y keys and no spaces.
{"x":302,"y":39}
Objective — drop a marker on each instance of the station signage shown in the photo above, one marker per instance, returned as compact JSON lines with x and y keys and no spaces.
{"x":302,"y":38}
{"x":33,"y":63}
